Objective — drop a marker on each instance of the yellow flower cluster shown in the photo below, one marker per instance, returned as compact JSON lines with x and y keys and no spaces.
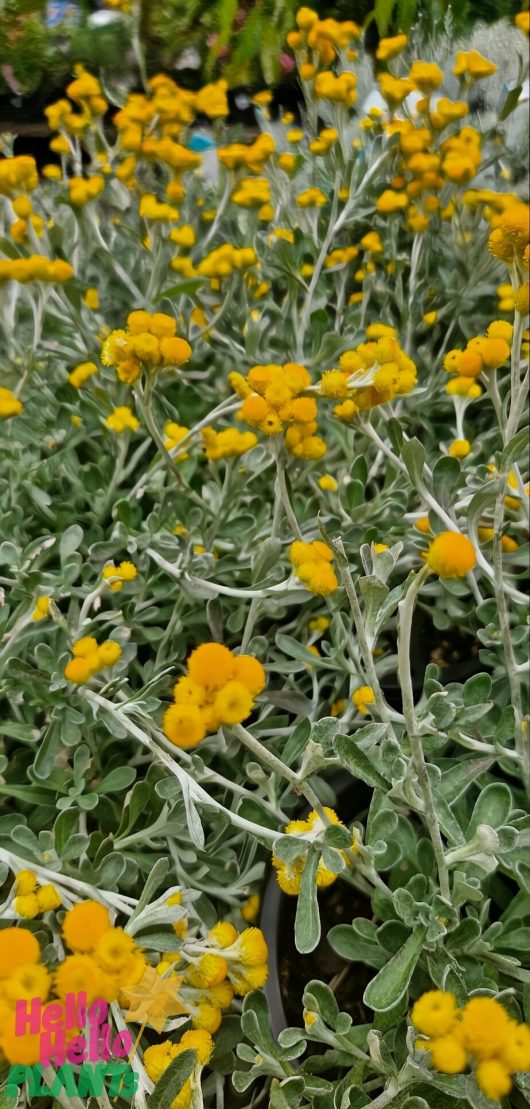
{"x":153,"y":209}
{"x":289,"y":875}
{"x":215,"y":967}
{"x":311,"y":198}
{"x":174,"y":434}
{"x":89,"y":658}
{"x":325,"y":142}
{"x":325,"y":37}
{"x":252,"y":156}
{"x":471,"y":66}
{"x":116,"y":575}
{"x":481,"y":1032}
{"x":150,"y":341}
{"x":340,"y":89}
{"x":253,"y":192}
{"x":312,"y":565}
{"x":85,"y":92}
{"x":272,"y":402}
{"x":10,"y":405}
{"x":18,"y":175}
{"x":362,"y":698}
{"x":35,"y":268}
{"x":122,"y":419}
{"x":22,"y":207}
{"x":83,"y":189}
{"x":104,"y":960}
{"x":222,"y":261}
{"x":81,"y":374}
{"x":218,"y":688}
{"x":341,"y":256}
{"x":373,"y":373}
{"x":511,"y":233}
{"x":42,"y":609}
{"x":31,"y":898}
{"x":483,"y":352}
{"x":158,"y":1057}
{"x":228,"y":443}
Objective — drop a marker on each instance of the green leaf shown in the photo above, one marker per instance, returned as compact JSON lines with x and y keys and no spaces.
{"x":71,"y":539}
{"x":510,"y":103}
{"x":515,"y":448}
{"x":374,"y":593}
{"x":413,"y":455}
{"x":119,"y":779}
{"x":155,"y":879}
{"x":286,"y":1095}
{"x":493,"y":807}
{"x":350,"y":944}
{"x":183,"y":288}
{"x":383,"y":13}
{"x":389,"y":986}
{"x":446,"y":476}
{"x":172,"y":1080}
{"x":477,"y":689}
{"x":357,"y":762}
{"x":255,"y":1021}
{"x":307,"y":921}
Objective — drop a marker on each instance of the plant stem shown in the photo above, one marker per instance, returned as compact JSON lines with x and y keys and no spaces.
{"x":406,"y":610}
{"x":188,"y":784}
{"x":368,"y":659}
{"x":276,"y":765}
{"x":285,"y":498}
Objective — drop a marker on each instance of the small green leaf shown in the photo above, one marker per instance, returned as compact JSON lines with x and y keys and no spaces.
{"x":172,"y":1080}
{"x":446,"y":476}
{"x":413,"y":455}
{"x":71,"y":539}
{"x":389,"y":986}
{"x":119,"y":779}
{"x":510,"y":103}
{"x":307,"y":921}
{"x":357,"y":762}
{"x":493,"y":807}
{"x":515,"y":448}
{"x":184,"y":288}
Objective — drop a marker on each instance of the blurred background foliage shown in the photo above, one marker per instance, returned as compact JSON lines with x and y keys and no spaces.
{"x":242,"y":40}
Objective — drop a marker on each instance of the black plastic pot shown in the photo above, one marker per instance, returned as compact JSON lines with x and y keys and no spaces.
{"x":288,"y":970}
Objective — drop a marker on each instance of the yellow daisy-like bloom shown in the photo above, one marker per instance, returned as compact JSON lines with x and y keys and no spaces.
{"x":113,"y":950}
{"x":448,"y":1055}
{"x":434,"y":1014}
{"x":493,"y":1079}
{"x":484,"y":1026}
{"x":76,"y":974}
{"x":48,"y":898}
{"x":10,"y":405}
{"x":459,"y":448}
{"x":26,"y":882}
{"x":233,"y":703}
{"x":327,"y":483}
{"x":42,"y":608}
{"x":28,"y":981}
{"x":451,"y":555}
{"x":363,"y":697}
{"x":184,"y":725}
{"x":18,"y":947}
{"x":211,"y":664}
{"x":515,"y":1052}
{"x":84,"y":925}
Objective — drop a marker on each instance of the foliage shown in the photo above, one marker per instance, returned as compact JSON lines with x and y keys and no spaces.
{"x":261,"y":413}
